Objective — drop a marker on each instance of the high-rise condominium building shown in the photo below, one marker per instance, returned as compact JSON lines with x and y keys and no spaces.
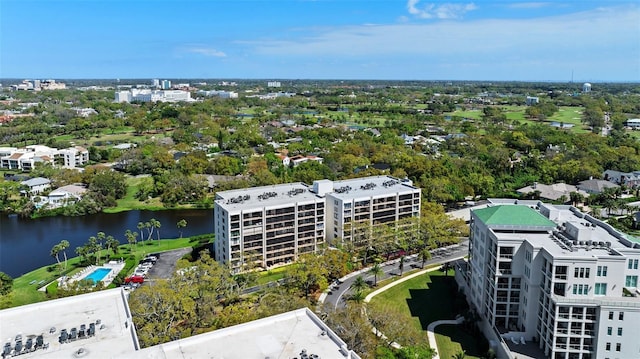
{"x":273,"y":225}
{"x":555,"y":276}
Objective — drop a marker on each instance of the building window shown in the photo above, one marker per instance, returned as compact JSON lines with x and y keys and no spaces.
{"x":618,"y":347}
{"x":607,"y":347}
{"x":610,"y":315}
{"x":609,"y":330}
{"x":581,"y":273}
{"x":631,"y":281}
{"x":602,"y":271}
{"x":619,"y":331}
{"x":601,"y":289}
{"x":580,"y":289}
{"x":633,"y":264}
{"x":621,"y":316}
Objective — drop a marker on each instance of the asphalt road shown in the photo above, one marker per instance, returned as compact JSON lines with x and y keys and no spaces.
{"x":166,"y":264}
{"x":340,"y":291}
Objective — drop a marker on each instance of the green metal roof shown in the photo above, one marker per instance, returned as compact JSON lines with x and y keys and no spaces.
{"x":512,"y":215}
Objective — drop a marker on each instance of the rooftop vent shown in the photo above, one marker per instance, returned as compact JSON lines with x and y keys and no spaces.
{"x":267,"y":195}
{"x":295,"y":192}
{"x":239,"y":199}
{"x":389,"y":183}
{"x":368,"y":186}
{"x":343,"y":189}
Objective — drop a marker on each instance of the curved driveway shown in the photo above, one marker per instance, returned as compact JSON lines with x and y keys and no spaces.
{"x":338,"y":292}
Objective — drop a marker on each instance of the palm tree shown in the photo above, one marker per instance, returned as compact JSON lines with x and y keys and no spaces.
{"x":140,"y":228}
{"x":62,"y":246}
{"x":100,"y":237}
{"x":149,"y":228}
{"x":376,"y":270}
{"x":112,"y":243}
{"x":359,"y":284}
{"x":131,"y":238}
{"x":156,"y":224}
{"x":181,"y":224}
{"x":81,"y":252}
{"x":55,"y":250}
{"x":401,"y":265}
{"x":424,"y":255}
{"x":357,"y":296}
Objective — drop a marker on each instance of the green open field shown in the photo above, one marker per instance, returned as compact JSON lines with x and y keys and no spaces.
{"x":25,"y":287}
{"x":425,"y":299}
{"x":565,"y":114}
{"x":130,"y":202}
{"x":271,"y":275}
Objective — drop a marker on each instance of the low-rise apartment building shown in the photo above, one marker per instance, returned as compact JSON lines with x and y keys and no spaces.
{"x":557,"y":277}
{"x":273,"y":225}
{"x":26,"y":158}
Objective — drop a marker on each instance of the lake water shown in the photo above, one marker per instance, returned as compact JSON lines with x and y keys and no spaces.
{"x":25,"y":244}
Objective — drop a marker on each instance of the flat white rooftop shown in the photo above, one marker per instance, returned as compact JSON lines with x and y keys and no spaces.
{"x":115,"y":339}
{"x":281,"y":336}
{"x":265,"y":196}
{"x":369,"y":187}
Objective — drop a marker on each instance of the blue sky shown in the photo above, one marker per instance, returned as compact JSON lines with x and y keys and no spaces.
{"x":321,"y":39}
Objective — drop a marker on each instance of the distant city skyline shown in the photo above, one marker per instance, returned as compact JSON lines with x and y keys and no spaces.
{"x":322,"y":39}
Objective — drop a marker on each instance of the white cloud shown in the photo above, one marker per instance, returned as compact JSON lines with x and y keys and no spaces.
{"x":595,"y":29}
{"x":206,"y":51}
{"x":528,"y":5}
{"x":597,"y":37}
{"x":441,"y":11}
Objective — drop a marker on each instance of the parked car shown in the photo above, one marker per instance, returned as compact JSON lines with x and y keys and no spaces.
{"x":134,"y":279}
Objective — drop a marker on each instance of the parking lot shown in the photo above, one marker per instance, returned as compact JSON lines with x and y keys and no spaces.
{"x":155,"y":266}
{"x":166,"y":264}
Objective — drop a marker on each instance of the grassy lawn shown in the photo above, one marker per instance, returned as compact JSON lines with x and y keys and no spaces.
{"x":271,"y":275}
{"x":419,"y":297}
{"x":25,"y":287}
{"x":130,"y":202}
{"x":472,"y":114}
{"x":427,"y":298}
{"x":447,"y":347}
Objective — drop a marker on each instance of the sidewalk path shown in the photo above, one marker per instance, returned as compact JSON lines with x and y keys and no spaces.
{"x":382,"y":289}
{"x":431,"y":335}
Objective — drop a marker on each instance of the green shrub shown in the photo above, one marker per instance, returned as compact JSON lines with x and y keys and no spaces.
{"x":52,"y":290}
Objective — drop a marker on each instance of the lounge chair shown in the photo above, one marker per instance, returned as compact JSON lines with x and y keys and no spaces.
{"x":522,"y":341}
{"x":514,"y":341}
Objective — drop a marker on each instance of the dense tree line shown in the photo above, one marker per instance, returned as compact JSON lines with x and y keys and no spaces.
{"x":491,"y":156}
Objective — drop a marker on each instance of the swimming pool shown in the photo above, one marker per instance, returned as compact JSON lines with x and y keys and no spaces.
{"x":98,"y":274}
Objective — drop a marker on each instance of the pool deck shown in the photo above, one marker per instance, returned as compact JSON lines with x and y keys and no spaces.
{"x":114,"y":266}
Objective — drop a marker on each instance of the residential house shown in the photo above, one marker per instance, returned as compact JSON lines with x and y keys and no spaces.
{"x":36,"y":185}
{"x":286,"y":161}
{"x":62,"y":196}
{"x":299,"y":159}
{"x":595,"y":186}
{"x":629,"y":179}
{"x":552,"y":192}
